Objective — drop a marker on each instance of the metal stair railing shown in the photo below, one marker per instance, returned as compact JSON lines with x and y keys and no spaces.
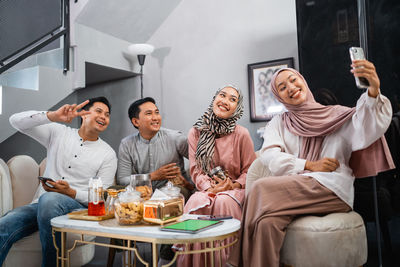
{"x":31,"y":48}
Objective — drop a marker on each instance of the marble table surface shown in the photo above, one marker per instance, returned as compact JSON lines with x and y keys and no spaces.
{"x":147,"y":231}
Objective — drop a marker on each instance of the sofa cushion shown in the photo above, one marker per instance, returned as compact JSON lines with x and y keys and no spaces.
{"x":24,"y":172}
{"x":256,"y":170}
{"x":42,"y":166}
{"x":328,"y":223}
{"x":6,"y":200}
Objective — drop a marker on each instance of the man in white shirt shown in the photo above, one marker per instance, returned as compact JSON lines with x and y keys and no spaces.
{"x":73,"y":157}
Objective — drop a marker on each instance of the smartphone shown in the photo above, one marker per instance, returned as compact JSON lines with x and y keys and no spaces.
{"x":214,"y":217}
{"x":355,"y":54}
{"x":45,"y":179}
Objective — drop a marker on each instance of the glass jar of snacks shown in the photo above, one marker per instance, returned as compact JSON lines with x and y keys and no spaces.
{"x":128,"y":208}
{"x":142,"y":184}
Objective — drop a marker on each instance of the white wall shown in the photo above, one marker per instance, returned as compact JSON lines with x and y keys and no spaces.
{"x":205,"y":44}
{"x":201,"y":46}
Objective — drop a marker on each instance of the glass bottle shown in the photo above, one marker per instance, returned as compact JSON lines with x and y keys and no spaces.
{"x":142,"y":184}
{"x":111,"y":198}
{"x":96,"y":197}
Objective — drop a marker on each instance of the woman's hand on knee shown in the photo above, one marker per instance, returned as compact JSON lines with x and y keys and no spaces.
{"x":322,"y":165}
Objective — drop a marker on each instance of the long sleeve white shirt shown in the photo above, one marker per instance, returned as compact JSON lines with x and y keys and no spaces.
{"x":281,"y":148}
{"x":68,"y":157}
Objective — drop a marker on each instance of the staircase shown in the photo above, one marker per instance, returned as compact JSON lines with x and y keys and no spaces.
{"x":38,"y":82}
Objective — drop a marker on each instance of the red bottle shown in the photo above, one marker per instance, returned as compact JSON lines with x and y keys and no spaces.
{"x":96,"y":209}
{"x":96,"y":205}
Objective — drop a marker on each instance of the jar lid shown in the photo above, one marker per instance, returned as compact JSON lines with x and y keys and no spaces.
{"x":112,"y":192}
{"x":216,"y":170}
{"x":129,"y":196}
{"x":170,"y":189}
{"x":95,"y":182}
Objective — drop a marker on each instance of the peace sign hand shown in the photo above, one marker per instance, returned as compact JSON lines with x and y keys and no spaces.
{"x":68,"y":112}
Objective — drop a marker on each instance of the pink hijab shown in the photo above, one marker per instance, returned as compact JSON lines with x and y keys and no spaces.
{"x":314,"y":121}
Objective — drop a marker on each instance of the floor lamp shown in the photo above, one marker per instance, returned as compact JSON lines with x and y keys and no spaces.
{"x":141,"y":50}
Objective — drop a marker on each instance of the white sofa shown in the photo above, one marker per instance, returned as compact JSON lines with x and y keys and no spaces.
{"x":18,"y":184}
{"x":337,"y":239}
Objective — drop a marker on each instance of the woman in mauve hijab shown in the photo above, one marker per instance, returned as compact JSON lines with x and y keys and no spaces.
{"x":314,"y":152}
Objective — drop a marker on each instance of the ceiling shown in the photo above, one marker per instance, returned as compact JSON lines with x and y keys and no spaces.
{"x":132,"y":20}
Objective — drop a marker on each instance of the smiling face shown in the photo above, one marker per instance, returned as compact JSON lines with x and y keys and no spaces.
{"x":98,"y":119}
{"x":225,"y":103}
{"x":149,"y":120}
{"x":291,"y":88}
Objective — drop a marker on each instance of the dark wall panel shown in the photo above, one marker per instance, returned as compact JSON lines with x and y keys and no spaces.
{"x":384,"y":45}
{"x":25,"y":21}
{"x":326,"y":30}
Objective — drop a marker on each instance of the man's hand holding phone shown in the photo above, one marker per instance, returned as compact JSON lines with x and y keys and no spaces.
{"x":47,"y":181}
{"x":59,"y":186}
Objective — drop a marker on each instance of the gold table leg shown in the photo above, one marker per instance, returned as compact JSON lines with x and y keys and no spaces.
{"x":155,"y":254}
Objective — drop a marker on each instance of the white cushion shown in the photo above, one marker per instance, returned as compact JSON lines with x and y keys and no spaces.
{"x":42,"y":166}
{"x":328,"y":223}
{"x":337,"y":239}
{"x":24,"y":172}
{"x":6,"y":200}
{"x":256,"y":170}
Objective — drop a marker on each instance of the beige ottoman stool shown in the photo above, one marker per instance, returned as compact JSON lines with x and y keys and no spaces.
{"x":334,"y":240}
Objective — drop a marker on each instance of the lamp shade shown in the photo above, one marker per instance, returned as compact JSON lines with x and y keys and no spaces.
{"x":140,"y":49}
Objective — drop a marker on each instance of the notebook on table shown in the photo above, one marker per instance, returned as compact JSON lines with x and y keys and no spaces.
{"x":191,"y":226}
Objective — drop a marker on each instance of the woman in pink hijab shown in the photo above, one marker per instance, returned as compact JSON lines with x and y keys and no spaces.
{"x":309,"y":151}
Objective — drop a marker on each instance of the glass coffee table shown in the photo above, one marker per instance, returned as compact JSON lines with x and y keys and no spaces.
{"x":143,"y":233}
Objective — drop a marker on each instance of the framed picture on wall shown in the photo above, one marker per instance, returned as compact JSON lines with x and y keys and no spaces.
{"x":263,"y":105}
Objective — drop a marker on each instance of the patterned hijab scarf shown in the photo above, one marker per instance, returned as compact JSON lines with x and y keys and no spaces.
{"x":314,"y":121}
{"x":210,"y":126}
